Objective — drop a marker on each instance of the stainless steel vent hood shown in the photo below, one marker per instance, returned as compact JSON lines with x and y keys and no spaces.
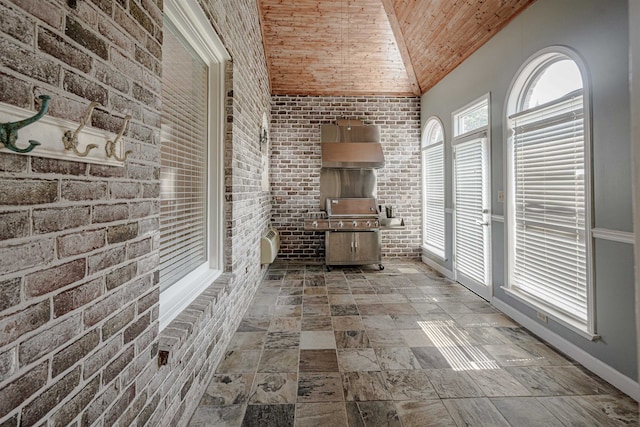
{"x":351,"y":147}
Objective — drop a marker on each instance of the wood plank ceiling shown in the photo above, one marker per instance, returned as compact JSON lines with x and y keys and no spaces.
{"x":374,"y":47}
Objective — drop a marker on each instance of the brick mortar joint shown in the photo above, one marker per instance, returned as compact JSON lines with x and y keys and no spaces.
{"x":88,"y":277}
{"x":85,"y":177}
{"x":48,"y":357}
{"x":55,"y":262}
{"x":90,"y":228}
{"x":75,"y":204}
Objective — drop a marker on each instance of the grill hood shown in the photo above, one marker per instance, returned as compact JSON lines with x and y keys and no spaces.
{"x":351,"y":147}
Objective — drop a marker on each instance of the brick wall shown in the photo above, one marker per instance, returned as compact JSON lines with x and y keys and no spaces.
{"x":79,"y":303}
{"x":296,"y":162}
{"x":198,"y":337}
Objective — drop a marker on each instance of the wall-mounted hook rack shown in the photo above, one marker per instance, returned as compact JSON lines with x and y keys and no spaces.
{"x":110,"y":147}
{"x":9,"y":131}
{"x":70,"y":139}
{"x":59,"y":137}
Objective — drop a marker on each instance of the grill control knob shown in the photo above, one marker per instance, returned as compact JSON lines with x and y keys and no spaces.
{"x":375,"y":223}
{"x":340,"y":224}
{"x":355,"y":223}
{"x":368,"y":223}
{"x":315,"y":224}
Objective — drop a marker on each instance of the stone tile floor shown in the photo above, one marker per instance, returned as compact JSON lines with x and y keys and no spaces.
{"x":399,"y":347}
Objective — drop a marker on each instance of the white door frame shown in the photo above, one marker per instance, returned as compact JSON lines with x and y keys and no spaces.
{"x":482,"y":289}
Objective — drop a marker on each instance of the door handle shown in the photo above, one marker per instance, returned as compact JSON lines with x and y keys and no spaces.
{"x":481,"y":223}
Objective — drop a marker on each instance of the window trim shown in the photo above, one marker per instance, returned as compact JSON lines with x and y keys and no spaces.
{"x":189,"y":19}
{"x":512,"y":101}
{"x":424,"y":146}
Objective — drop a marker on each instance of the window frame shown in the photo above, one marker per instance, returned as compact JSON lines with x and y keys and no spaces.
{"x":471,"y":106}
{"x":425,"y":145}
{"x":527,"y":71}
{"x":189,"y":19}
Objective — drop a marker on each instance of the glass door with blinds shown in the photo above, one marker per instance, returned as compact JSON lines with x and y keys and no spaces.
{"x":471,"y":214}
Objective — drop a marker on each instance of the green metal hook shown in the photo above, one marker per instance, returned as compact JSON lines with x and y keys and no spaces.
{"x":9,"y":131}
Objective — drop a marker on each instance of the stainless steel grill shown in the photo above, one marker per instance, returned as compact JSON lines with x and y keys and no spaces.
{"x":350,"y":156}
{"x":354,"y":238}
{"x":351,"y":230}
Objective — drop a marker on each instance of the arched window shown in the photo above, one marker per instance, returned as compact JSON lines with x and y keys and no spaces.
{"x":433,"y":187}
{"x":548,"y":187}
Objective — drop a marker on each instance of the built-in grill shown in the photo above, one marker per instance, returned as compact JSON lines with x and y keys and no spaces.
{"x":350,"y":217}
{"x":351,"y":228}
{"x":347,"y":214}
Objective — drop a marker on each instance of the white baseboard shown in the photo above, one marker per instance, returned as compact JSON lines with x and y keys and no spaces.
{"x":437,"y":267}
{"x":598,"y":367}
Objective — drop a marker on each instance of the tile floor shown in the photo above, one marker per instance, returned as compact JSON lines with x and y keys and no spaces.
{"x":399,"y":347}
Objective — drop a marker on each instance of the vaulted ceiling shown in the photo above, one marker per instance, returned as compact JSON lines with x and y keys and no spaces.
{"x":374,"y":47}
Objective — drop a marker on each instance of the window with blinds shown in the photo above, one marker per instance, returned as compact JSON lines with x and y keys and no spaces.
{"x":548,"y":186}
{"x":184,"y":153}
{"x":433,"y":187}
{"x":192,"y":157}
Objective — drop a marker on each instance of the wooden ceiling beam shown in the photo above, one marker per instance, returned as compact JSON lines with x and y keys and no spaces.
{"x":402,"y":46}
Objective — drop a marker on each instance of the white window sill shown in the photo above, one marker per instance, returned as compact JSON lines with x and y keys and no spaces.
{"x":174,"y":300}
{"x":550,"y":313}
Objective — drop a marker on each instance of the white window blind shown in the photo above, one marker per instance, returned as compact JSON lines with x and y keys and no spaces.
{"x":433,"y":187}
{"x":471,"y":169}
{"x":549,"y":246}
{"x":434,"y":198}
{"x":183,"y":173}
